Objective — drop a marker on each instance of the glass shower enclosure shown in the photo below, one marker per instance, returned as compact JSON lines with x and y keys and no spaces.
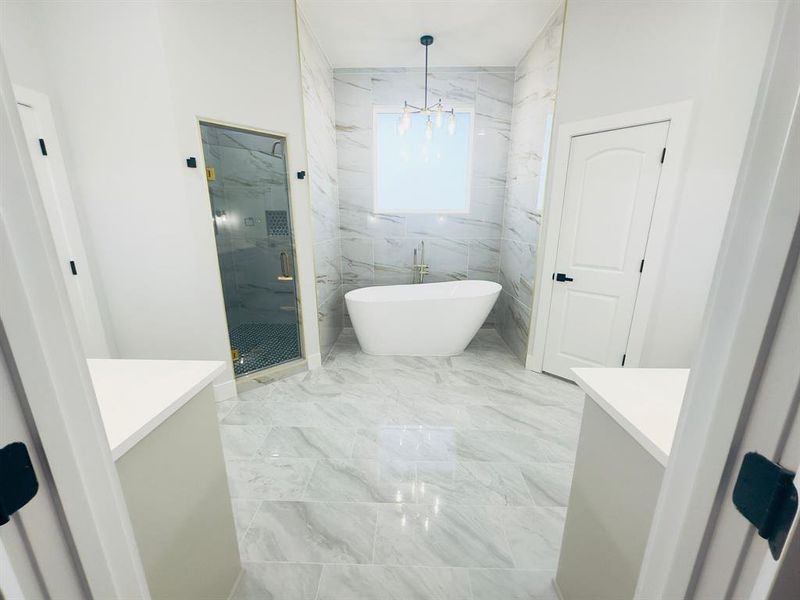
{"x":249,"y":191}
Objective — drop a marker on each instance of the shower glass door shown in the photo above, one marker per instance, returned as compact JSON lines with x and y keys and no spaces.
{"x":249,"y":191}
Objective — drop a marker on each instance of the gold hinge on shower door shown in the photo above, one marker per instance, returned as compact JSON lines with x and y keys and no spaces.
{"x":211,"y":173}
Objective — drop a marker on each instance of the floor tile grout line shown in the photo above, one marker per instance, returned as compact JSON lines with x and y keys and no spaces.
{"x":398,"y":566}
{"x":375,"y":534}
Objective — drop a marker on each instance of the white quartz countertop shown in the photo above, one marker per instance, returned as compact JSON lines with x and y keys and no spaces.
{"x":645,"y":402}
{"x":136,"y":396}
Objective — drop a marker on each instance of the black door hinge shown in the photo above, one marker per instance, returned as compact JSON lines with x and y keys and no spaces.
{"x":663,"y":155}
{"x":765,"y":494}
{"x":191,"y":162}
{"x":641,"y":266}
{"x":42,"y":147}
{"x":623,"y":359}
{"x":73,"y":268}
{"x":18,"y":483}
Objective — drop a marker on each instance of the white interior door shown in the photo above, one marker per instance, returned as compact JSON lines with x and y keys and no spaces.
{"x":51,"y":175}
{"x":612,"y":179}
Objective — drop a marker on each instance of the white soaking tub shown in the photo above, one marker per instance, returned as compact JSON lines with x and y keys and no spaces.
{"x":425,"y":319}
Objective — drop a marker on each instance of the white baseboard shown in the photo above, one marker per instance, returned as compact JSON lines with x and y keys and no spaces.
{"x":224,"y":390}
{"x":557,"y":589}
{"x":314,"y":361}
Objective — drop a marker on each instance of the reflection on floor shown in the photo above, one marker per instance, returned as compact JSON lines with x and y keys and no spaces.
{"x":263,"y":345}
{"x":402,"y":478}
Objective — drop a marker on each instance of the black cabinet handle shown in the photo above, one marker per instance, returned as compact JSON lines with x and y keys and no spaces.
{"x":561,"y":277}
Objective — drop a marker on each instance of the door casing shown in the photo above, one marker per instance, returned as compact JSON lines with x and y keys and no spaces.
{"x":678,"y":114}
{"x":596,"y":284}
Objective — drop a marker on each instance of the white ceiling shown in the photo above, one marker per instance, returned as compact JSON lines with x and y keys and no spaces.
{"x":385,"y":33}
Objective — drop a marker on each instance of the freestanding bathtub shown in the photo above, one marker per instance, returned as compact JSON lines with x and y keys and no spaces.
{"x":425,"y":319}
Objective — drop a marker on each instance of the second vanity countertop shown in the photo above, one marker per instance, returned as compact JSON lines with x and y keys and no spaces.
{"x":136,"y":396}
{"x":644,"y":402}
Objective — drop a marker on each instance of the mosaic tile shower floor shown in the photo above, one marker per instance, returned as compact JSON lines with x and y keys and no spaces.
{"x":402,"y":478}
{"x":263,"y":345}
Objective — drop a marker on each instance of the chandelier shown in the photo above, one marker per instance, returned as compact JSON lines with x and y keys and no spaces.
{"x":434,"y":112}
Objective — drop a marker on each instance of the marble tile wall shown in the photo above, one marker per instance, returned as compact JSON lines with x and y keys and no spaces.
{"x":319,"y":109}
{"x":377,"y":249}
{"x":535,"y":82}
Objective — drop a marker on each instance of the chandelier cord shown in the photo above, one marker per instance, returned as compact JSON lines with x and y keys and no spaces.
{"x":426,"y":77}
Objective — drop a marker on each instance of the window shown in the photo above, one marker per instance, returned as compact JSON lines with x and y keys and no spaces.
{"x":414,"y":174}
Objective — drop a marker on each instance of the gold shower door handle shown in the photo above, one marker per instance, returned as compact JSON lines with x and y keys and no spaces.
{"x":286,"y":273}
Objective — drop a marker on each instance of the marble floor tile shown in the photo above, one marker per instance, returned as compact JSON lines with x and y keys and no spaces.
{"x":357,"y":480}
{"x":373,"y":582}
{"x":405,"y":443}
{"x":331,"y":413}
{"x":308,"y":442}
{"x":256,"y":392}
{"x":242,"y":441}
{"x":278,"y":581}
{"x":342,"y":375}
{"x":313,"y":392}
{"x":553,"y":423}
{"x":442,"y":393}
{"x":474,"y":376}
{"x":319,"y":532}
{"x":243,"y":511}
{"x":534,"y":535}
{"x":471,"y":483}
{"x":512,"y":584}
{"x":269,"y":479}
{"x":224,"y":407}
{"x":255,"y":412}
{"x":407,"y":412}
{"x":548,"y":483}
{"x":440,"y":536}
{"x":502,"y":446}
{"x":516,"y":393}
{"x":402,"y":477}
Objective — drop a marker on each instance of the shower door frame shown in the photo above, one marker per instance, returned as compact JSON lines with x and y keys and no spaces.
{"x":298,"y":362}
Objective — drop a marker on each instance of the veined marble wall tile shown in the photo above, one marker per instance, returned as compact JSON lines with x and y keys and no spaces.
{"x":458,"y":226}
{"x":535,"y":85}
{"x":388,"y":240}
{"x":328,"y":267}
{"x":446,"y":259}
{"x":358,"y":262}
{"x":357,"y":221}
{"x":484,"y":260}
{"x":394,"y":258}
{"x":518,"y":269}
{"x":330,"y":314}
{"x":319,"y":89}
{"x":513,"y":322}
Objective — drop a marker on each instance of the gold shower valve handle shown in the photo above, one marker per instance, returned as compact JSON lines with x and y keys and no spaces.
{"x":285,"y":278}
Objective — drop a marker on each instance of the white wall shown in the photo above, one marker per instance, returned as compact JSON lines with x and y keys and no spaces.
{"x":130,"y":81}
{"x":620,"y":56}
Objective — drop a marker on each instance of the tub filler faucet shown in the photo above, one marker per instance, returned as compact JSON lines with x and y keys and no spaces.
{"x":420,"y":268}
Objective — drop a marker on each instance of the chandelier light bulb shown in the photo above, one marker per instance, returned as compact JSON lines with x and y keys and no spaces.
{"x":433,"y":112}
{"x":451,"y":123}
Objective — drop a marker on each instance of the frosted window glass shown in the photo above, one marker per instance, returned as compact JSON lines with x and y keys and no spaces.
{"x":414,"y":174}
